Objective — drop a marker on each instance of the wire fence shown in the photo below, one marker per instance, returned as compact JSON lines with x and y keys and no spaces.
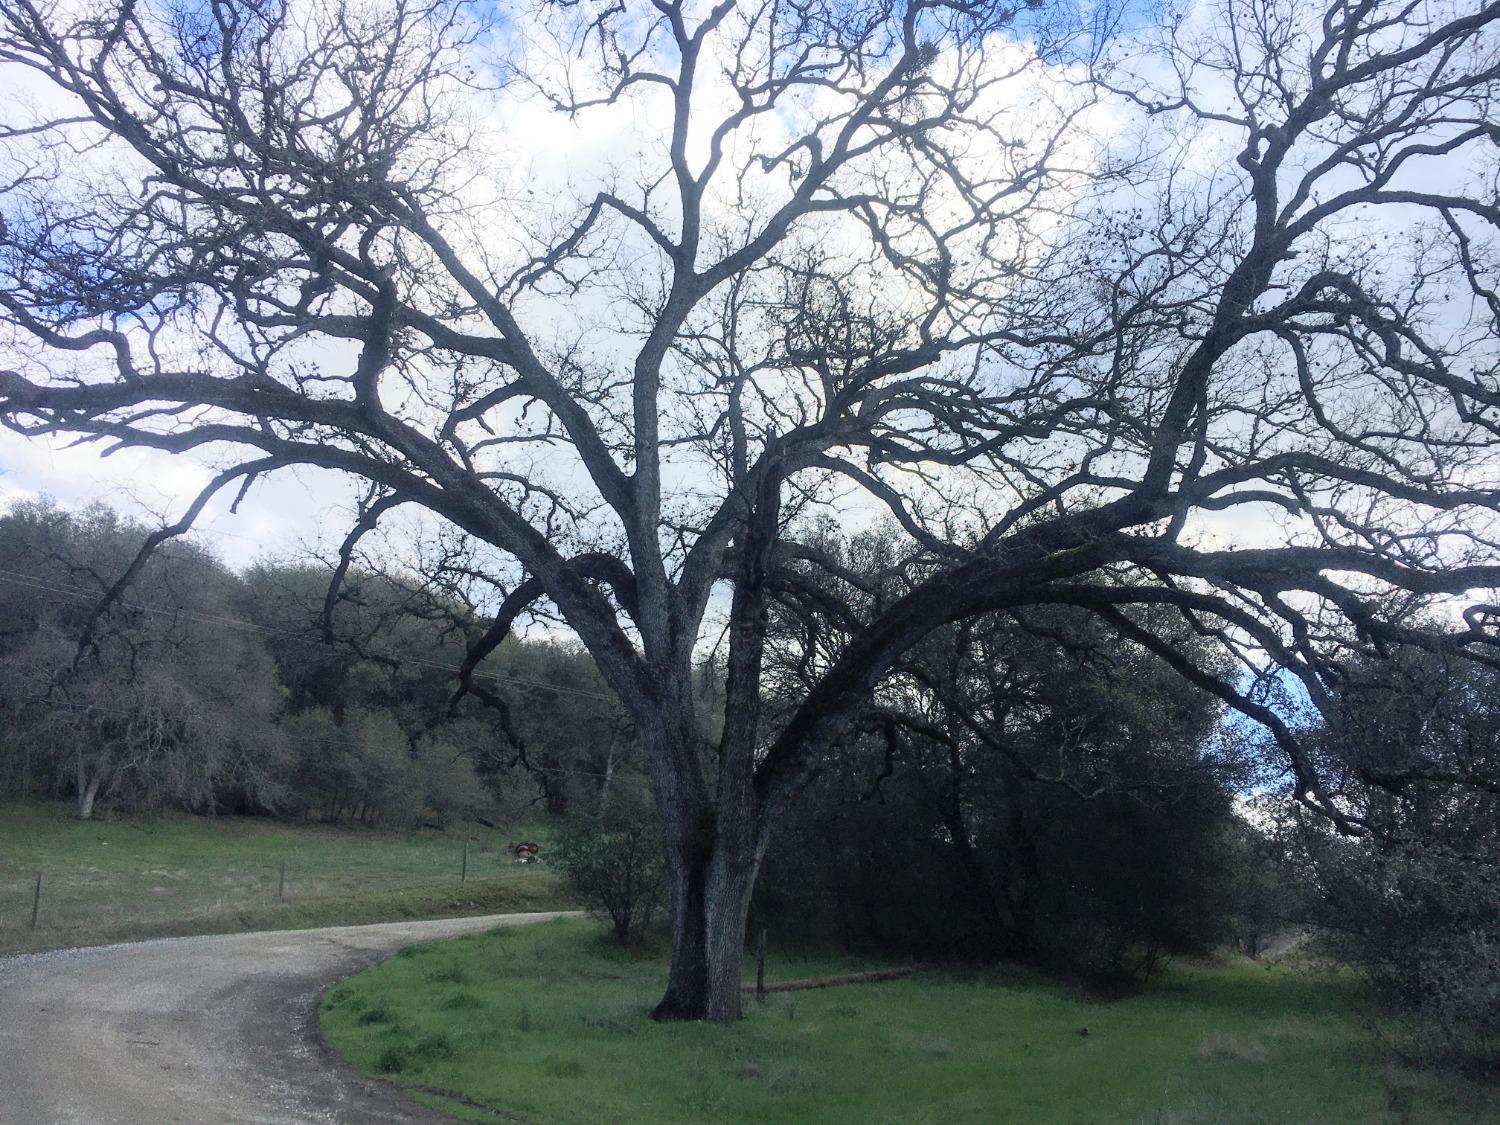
{"x":79,"y":900}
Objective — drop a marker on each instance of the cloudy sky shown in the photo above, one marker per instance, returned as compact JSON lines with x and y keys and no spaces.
{"x":544,"y":165}
{"x":285,"y":515}
{"x":541,"y":160}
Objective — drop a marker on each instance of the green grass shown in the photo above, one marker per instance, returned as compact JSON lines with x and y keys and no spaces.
{"x":123,"y":879}
{"x":548,"y":1024}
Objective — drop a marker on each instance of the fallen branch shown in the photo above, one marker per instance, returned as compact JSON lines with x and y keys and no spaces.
{"x":833,"y":982}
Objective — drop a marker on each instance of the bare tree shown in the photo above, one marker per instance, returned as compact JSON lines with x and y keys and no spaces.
{"x":1066,"y":302}
{"x":165,"y":702}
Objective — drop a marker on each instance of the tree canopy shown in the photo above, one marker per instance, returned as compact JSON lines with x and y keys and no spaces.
{"x":1196,"y":315}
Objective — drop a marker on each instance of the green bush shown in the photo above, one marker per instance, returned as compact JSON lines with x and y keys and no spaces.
{"x":1415,"y":901}
{"x":612,"y":861}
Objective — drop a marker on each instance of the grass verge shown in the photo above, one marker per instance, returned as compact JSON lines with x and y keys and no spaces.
{"x":161,"y":876}
{"x":548,"y":1024}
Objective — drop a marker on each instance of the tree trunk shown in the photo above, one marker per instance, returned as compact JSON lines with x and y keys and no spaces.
{"x":609,"y":767}
{"x":710,"y":889}
{"x":1002,"y":938}
{"x":731,"y":880}
{"x":713,"y":844}
{"x":87,"y":793}
{"x":88,"y":783}
{"x":686,"y":997}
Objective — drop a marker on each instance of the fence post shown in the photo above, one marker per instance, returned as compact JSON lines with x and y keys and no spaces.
{"x":463,"y":875}
{"x":760,"y":968}
{"x":281,"y":879}
{"x":36,"y":899}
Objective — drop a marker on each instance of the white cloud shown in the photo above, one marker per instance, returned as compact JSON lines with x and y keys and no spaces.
{"x":283,"y":515}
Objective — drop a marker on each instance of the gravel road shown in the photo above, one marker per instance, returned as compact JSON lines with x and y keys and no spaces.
{"x":201,"y":1029}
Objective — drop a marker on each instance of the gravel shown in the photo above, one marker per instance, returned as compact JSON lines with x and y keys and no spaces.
{"x":216,"y":1029}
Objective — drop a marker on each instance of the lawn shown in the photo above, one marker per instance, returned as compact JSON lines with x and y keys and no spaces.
{"x":547,"y":1024}
{"x":121,"y":879}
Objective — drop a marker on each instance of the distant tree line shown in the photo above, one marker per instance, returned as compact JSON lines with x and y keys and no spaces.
{"x":204,"y":690}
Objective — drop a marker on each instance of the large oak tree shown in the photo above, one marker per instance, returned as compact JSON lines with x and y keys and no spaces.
{"x":1200,"y":316}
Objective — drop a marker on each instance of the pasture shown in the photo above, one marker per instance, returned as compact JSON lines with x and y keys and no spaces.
{"x":547,"y":1024}
{"x":120,"y":879}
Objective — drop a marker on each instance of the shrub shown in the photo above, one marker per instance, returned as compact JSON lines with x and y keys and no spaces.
{"x":1095,"y":890}
{"x":612,"y":861}
{"x":1419,"y":913}
{"x":1416,"y":901}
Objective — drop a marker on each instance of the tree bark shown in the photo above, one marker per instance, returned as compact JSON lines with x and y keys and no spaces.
{"x":87,"y":794}
{"x":686,"y":996}
{"x":89,"y":783}
{"x":711,"y":886}
{"x":711,"y":855}
{"x":720,"y":859}
{"x":731,"y":880}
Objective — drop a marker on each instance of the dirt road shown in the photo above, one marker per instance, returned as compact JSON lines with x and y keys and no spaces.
{"x":201,"y":1030}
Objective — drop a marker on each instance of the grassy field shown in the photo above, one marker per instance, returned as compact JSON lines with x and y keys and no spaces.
{"x":547,"y":1024}
{"x":115,"y":880}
